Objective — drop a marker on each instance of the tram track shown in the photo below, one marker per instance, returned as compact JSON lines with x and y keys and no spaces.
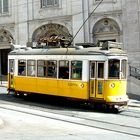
{"x":131,"y":113}
{"x":73,"y":118}
{"x":51,"y":106}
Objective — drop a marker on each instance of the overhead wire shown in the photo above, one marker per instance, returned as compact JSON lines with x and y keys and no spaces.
{"x":83,"y":24}
{"x":86,"y":21}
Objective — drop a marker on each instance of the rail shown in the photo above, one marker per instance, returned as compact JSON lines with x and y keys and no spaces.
{"x":134,"y":72}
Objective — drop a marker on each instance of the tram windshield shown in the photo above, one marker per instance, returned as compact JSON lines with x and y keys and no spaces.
{"x":113,"y":67}
{"x":117,"y":69}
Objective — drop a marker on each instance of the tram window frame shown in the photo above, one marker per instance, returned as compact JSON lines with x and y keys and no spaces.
{"x":123,"y":69}
{"x":113,"y":69}
{"x":41,"y":68}
{"x":11,"y":65}
{"x":100,"y":72}
{"x":51,"y":70}
{"x":76,"y":70}
{"x":64,"y":69}
{"x":31,"y":68}
{"x":22,"y":67}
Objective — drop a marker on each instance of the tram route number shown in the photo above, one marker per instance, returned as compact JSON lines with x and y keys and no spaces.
{"x":73,"y":84}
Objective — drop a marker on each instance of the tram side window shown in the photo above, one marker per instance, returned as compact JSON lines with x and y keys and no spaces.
{"x":52,"y":69}
{"x":123,"y":69}
{"x":11,"y":65}
{"x":100,"y":70}
{"x":41,"y":68}
{"x":64,"y":69}
{"x":22,"y":67}
{"x":76,"y":70}
{"x":113,"y":68}
{"x":31,"y":67}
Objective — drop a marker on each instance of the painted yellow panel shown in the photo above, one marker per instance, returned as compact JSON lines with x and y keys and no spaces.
{"x":47,"y":86}
{"x":75,"y":89}
{"x":109,"y":90}
{"x":66,"y":88}
{"x":25,"y":84}
{"x":114,"y":88}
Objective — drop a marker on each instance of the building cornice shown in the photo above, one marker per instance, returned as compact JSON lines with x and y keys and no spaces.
{"x":108,"y":13}
{"x":51,"y":19}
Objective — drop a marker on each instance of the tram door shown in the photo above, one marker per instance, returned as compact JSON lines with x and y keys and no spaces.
{"x":11,"y":73}
{"x":96,"y":79}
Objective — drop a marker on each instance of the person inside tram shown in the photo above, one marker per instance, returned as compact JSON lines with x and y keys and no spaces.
{"x":63,"y":73}
{"x":114,"y":70}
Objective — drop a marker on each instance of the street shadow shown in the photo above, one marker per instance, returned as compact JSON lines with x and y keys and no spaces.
{"x":54,"y":103}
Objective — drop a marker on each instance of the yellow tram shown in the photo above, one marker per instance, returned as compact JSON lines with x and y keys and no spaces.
{"x":92,"y":74}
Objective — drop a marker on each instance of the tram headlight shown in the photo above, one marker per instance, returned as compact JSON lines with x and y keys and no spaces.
{"x":81,"y":85}
{"x":112,"y":85}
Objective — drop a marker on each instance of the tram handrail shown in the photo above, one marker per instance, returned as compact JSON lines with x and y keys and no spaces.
{"x":134,"y":72}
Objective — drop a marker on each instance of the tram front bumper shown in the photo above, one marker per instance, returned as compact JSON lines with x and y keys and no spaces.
{"x":117,"y":99}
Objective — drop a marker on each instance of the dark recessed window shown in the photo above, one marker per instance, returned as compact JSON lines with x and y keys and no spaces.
{"x":4,"y":6}
{"x":49,"y":3}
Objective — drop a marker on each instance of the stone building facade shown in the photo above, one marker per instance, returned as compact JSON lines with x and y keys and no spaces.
{"x":29,"y":20}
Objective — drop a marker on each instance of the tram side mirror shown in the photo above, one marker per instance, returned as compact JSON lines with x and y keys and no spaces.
{"x":121,"y":74}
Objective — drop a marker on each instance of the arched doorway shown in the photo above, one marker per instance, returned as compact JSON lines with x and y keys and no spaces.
{"x":5,"y":39}
{"x":51,"y":34}
{"x":106,"y":30}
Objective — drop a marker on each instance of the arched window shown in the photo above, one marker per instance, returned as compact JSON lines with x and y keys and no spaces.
{"x":106,"y":30}
{"x":51,"y":35}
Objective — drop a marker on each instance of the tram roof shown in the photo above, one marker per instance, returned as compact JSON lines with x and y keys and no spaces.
{"x":75,"y":50}
{"x":67,"y":51}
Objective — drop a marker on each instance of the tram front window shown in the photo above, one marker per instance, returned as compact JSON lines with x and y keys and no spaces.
{"x":123,"y":69}
{"x":113,"y":68}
